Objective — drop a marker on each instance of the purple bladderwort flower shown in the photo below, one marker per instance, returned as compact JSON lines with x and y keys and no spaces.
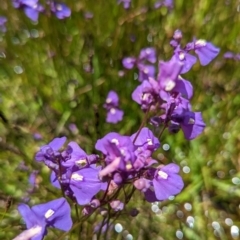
{"x":126,"y":3}
{"x":118,"y":151}
{"x":145,"y":95}
{"x":145,"y":140}
{"x":3,"y":21}
{"x":129,"y":62}
{"x":206,"y":51}
{"x":228,"y":55}
{"x":73,"y":128}
{"x":49,"y":153}
{"x":165,"y":182}
{"x":85,"y":184}
{"x":191,"y":123}
{"x":167,"y":3}
{"x":231,"y":55}
{"x":146,"y":144}
{"x":33,"y":180}
{"x":31,"y":8}
{"x":168,"y":75}
{"x":147,"y":55}
{"x":56,"y":214}
{"x":145,"y":71}
{"x":60,"y":10}
{"x":187,"y":59}
{"x":114,"y":114}
{"x":75,"y":158}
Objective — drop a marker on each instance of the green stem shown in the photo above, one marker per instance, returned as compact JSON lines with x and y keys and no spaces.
{"x":142,"y":124}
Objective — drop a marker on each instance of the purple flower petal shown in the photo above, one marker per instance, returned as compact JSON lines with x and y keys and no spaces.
{"x":206,"y":51}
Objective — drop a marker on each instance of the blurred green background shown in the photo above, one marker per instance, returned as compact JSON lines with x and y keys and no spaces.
{"x":58,"y":72}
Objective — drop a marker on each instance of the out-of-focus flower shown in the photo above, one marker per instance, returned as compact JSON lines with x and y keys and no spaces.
{"x":31,"y":8}
{"x":3,"y":21}
{"x":146,"y":56}
{"x":126,"y":3}
{"x":114,"y":114}
{"x":167,"y":3}
{"x":60,"y":10}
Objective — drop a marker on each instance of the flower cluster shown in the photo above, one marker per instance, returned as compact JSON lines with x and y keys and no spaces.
{"x":32,"y":8}
{"x":169,"y":94}
{"x":114,"y":114}
{"x":93,"y":181}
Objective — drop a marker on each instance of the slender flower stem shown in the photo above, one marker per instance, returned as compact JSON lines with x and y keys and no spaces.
{"x":142,"y":124}
{"x":162,"y":130}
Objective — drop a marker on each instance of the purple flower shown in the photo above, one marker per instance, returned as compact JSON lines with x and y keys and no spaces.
{"x":129,"y":62}
{"x":31,"y":8}
{"x":206,"y":51}
{"x":169,"y":72}
{"x":166,"y":182}
{"x":75,"y":157}
{"x":85,"y":184}
{"x":56,"y":214}
{"x":145,"y":95}
{"x":32,"y":11}
{"x":33,"y":179}
{"x":148,"y":54}
{"x":49,"y":152}
{"x":145,"y":140}
{"x":3,"y":21}
{"x":145,"y":71}
{"x":114,"y":114}
{"x":61,"y":10}
{"x":191,"y":122}
{"x":187,"y":59}
{"x":167,"y":3}
{"x":228,"y":55}
{"x":126,"y":3}
{"x":119,"y":152}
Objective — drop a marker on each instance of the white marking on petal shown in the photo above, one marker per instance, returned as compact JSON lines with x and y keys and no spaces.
{"x":59,"y":7}
{"x":169,"y":85}
{"x":112,"y":110}
{"x":200,"y":43}
{"x":145,"y":70}
{"x":49,"y":213}
{"x":77,"y":177}
{"x":149,"y":142}
{"x":162,"y":174}
{"x":181,"y":56}
{"x":114,"y":140}
{"x":108,"y":100}
{"x":191,"y":121}
{"x":145,"y":96}
{"x":148,"y":51}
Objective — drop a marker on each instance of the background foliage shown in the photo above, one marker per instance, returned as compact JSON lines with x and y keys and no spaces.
{"x":58,"y":72}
